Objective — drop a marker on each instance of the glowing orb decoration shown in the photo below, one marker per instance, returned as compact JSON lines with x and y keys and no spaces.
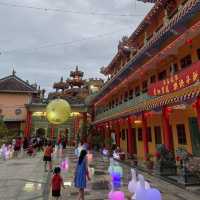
{"x":116,"y":180}
{"x":64,"y":165}
{"x":132,"y":186}
{"x":141,"y":194}
{"x":153,"y":194}
{"x":115,"y":168}
{"x":117,"y":195}
{"x":58,"y":111}
{"x":105,"y":152}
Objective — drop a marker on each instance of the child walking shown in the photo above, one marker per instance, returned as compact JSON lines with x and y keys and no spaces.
{"x":81,"y":173}
{"x":47,"y":157}
{"x":57,"y":183}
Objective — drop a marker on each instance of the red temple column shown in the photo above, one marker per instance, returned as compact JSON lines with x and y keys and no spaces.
{"x":167,"y":132}
{"x":118,"y":132}
{"x":145,"y":135}
{"x":130,"y":136}
{"x":52,"y":132}
{"x":198,"y":111}
{"x":28,"y":124}
{"x":84,"y":117}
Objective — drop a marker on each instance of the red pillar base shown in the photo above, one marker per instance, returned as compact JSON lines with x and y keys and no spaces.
{"x":145,"y":135}
{"x":130,"y":137}
{"x":167,"y":132}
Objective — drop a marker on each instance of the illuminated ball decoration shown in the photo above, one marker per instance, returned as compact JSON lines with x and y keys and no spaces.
{"x":58,"y":111}
{"x":64,"y":165}
{"x":117,"y":195}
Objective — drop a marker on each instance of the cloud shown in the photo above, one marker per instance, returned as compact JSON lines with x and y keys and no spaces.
{"x":44,"y":45}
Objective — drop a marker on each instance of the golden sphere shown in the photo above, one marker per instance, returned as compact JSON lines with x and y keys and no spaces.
{"x":58,"y":111}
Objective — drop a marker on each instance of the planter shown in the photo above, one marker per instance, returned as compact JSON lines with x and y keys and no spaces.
{"x":150,"y":165}
{"x":187,"y":178}
{"x":166,"y":170}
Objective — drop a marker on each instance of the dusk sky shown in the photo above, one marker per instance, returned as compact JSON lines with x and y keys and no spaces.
{"x":43,"y":44}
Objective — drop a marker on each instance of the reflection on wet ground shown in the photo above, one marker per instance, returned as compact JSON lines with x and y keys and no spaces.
{"x":23,"y":179}
{"x":68,"y":183}
{"x":31,"y":187}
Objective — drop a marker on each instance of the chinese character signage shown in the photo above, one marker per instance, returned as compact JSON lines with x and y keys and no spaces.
{"x":176,"y":82}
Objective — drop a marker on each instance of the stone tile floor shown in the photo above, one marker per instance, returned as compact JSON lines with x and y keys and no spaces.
{"x":24,"y":179}
{"x":98,"y":188}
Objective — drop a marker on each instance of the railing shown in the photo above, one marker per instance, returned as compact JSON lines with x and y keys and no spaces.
{"x":124,"y":106}
{"x":163,"y":28}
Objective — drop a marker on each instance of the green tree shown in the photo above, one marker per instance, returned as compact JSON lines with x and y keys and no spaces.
{"x":6,"y":135}
{"x":3,"y":130}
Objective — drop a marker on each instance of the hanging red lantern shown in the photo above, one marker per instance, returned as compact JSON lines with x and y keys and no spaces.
{"x":189,"y":42}
{"x":169,"y":110}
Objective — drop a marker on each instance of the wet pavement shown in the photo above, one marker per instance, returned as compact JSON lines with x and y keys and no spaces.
{"x":99,"y":187}
{"x":23,"y":179}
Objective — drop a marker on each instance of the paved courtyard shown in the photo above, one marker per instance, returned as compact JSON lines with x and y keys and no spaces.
{"x":25,"y":179}
{"x":98,"y":188}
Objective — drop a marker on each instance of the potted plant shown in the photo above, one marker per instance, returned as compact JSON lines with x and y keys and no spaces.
{"x":189,"y":167}
{"x":194,"y":167}
{"x":165,"y":162}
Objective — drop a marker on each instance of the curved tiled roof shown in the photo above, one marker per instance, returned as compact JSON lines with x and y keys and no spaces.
{"x":183,"y":96}
{"x":15,"y":84}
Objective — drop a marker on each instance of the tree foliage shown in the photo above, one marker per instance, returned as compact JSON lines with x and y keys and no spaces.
{"x":3,"y":130}
{"x":5,"y":133}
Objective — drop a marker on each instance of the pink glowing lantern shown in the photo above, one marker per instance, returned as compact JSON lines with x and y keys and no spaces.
{"x":64,"y":165}
{"x":117,"y":195}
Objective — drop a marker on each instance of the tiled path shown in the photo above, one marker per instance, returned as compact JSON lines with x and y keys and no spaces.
{"x":23,"y":179}
{"x":98,"y":188}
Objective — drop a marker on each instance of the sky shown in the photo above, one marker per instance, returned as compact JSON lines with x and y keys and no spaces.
{"x":45,"y":39}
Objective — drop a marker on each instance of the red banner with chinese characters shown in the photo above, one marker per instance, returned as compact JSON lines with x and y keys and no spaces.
{"x":176,"y":82}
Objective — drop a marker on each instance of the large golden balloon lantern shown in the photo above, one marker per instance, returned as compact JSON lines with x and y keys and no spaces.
{"x":58,"y":111}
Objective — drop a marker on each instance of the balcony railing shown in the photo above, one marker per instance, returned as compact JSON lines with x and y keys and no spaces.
{"x":162,"y":29}
{"x":124,"y":106}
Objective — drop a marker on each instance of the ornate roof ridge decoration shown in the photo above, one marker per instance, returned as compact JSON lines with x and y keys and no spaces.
{"x":189,"y":7}
{"x":172,"y":99}
{"x":61,"y":84}
{"x":150,"y":14}
{"x":13,"y":83}
{"x":158,"y":4}
{"x":124,"y":49}
{"x":77,"y":72}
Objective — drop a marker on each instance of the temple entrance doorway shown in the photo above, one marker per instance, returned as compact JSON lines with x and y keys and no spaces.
{"x":40,"y":132}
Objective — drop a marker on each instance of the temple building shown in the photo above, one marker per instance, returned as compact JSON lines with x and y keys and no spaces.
{"x":152,"y":95}
{"x":15,"y":94}
{"x":75,"y":90}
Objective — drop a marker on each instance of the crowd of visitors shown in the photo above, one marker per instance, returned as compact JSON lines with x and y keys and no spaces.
{"x":28,"y":146}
